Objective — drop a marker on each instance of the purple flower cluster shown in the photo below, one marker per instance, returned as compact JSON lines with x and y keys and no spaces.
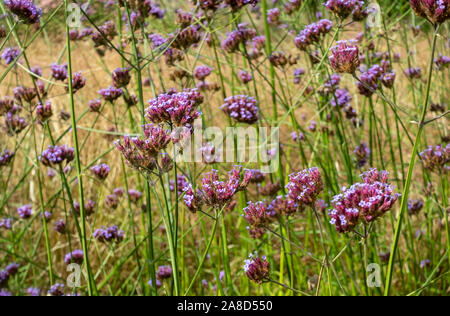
{"x":436,"y":11}
{"x":56,"y":155}
{"x":182,"y":184}
{"x":442,"y":62}
{"x":312,"y":33}
{"x":415,"y":206}
{"x":242,"y":108}
{"x":282,"y":205}
{"x":363,"y":202}
{"x":6,"y":223}
{"x":245,"y":77}
{"x":178,"y":108}
{"x":14,"y":124}
{"x":217,"y":193}
{"x":10,"y":271}
{"x":185,"y":38}
{"x":121,"y":77}
{"x":6,"y":105}
{"x":273,"y":16}
{"x":235,"y":5}
{"x":59,"y":72}
{"x":109,"y":234}
{"x":292,"y":6}
{"x":134,"y":195}
{"x":60,"y":227}
{"x":6,"y":157}
{"x":257,"y":269}
{"x":56,"y":290}
{"x":201,"y":72}
{"x":111,"y":93}
{"x":25,"y":211}
{"x":237,"y":37}
{"x":89,"y":207}
{"x":345,"y":8}
{"x":141,"y":152}
{"x":258,"y":217}
{"x":413,"y":73}
{"x":370,"y":80}
{"x":10,"y":54}
{"x":305,"y":186}
{"x":437,"y":158}
{"x":298,"y":74}
{"x":107,"y":33}
{"x":44,"y":111}
{"x":345,"y":57}
{"x":76,"y":256}
{"x":362,"y":153}
{"x":26,"y":10}
{"x":164,"y":272}
{"x":101,"y":171}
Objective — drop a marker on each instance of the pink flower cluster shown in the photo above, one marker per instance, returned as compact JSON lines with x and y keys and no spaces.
{"x":363,"y":202}
{"x":436,"y":158}
{"x":257,"y":269}
{"x":345,"y":57}
{"x":436,"y":11}
{"x":304,"y":187}
{"x":312,"y":33}
{"x":242,"y":108}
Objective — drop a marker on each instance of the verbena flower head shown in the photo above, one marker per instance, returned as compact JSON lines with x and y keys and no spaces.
{"x":370,"y":80}
{"x":6,"y":157}
{"x":26,"y":94}
{"x":413,"y":73}
{"x":182,"y":184}
{"x":101,"y":171}
{"x":95,"y":105}
{"x":436,"y":159}
{"x":6,"y":105}
{"x":89,"y":207}
{"x":6,"y":223}
{"x":76,"y":256}
{"x":436,"y":11}
{"x":178,"y":109}
{"x":388,"y":79}
{"x":217,"y":193}
{"x":363,"y":202}
{"x":14,"y":124}
{"x":59,"y":72}
{"x":56,"y":290}
{"x":273,"y":16}
{"x":109,"y":234}
{"x":342,"y":8}
{"x":111,"y":93}
{"x":238,"y":4}
{"x":78,"y":82}
{"x":362,"y":153}
{"x":10,"y":54}
{"x":345,"y":57}
{"x":237,"y":37}
{"x":134,"y":195}
{"x":242,"y":108}
{"x":202,"y":72}
{"x":60,"y":226}
{"x":44,"y":111}
{"x":415,"y":206}
{"x":5,"y":293}
{"x":25,"y":211}
{"x":26,"y":10}
{"x":257,"y":268}
{"x":141,"y":152}
{"x":34,"y":291}
{"x":305,"y":186}
{"x":283,"y":205}
{"x":312,"y":33}
{"x":164,"y":272}
{"x":112,"y":201}
{"x":245,"y":77}
{"x":257,"y":216}
{"x":121,"y":77}
{"x":56,"y":155}
{"x":298,"y":74}
{"x":442,"y":62}
{"x":292,"y":6}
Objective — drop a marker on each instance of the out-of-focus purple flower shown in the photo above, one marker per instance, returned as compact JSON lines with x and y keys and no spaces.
{"x":273,"y":16}
{"x":101,"y":171}
{"x":413,"y":73}
{"x":362,"y":153}
{"x":112,"y":201}
{"x":257,"y":269}
{"x":14,"y":124}
{"x":312,"y":33}
{"x":26,"y":10}
{"x":59,"y":72}
{"x":436,"y":159}
{"x":95,"y":105}
{"x":342,"y":8}
{"x":48,"y":216}
{"x":292,"y":6}
{"x":236,"y":5}
{"x":111,"y":93}
{"x":34,"y":291}
{"x":363,"y":202}
{"x":134,"y":195}
{"x":388,"y":79}
{"x":78,"y":82}
{"x":298,"y":74}
{"x":44,"y":111}
{"x":425,"y":263}
{"x":282,"y":205}
{"x":185,"y":38}
{"x":26,"y":94}
{"x":245,"y":77}
{"x":415,"y":206}
{"x":121,"y":77}
{"x":242,"y":108}
{"x":109,"y":234}
{"x":76,"y":256}
{"x":5,"y":293}
{"x":436,"y":11}
{"x":107,"y":33}
{"x":56,"y":290}
{"x":442,"y":62}
{"x":201,"y":72}
{"x":12,"y":269}
{"x":179,"y":108}
{"x":60,"y":227}
{"x":6,"y":105}
{"x":56,"y":155}
{"x":25,"y":211}
{"x":6,"y":223}
{"x":6,"y":157}
{"x":158,"y":283}
{"x":345,"y":57}
{"x":305,"y":186}
{"x":10,"y":54}
{"x":89,"y":207}
{"x":296,"y":137}
{"x":237,"y":37}
{"x":164,"y":272}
